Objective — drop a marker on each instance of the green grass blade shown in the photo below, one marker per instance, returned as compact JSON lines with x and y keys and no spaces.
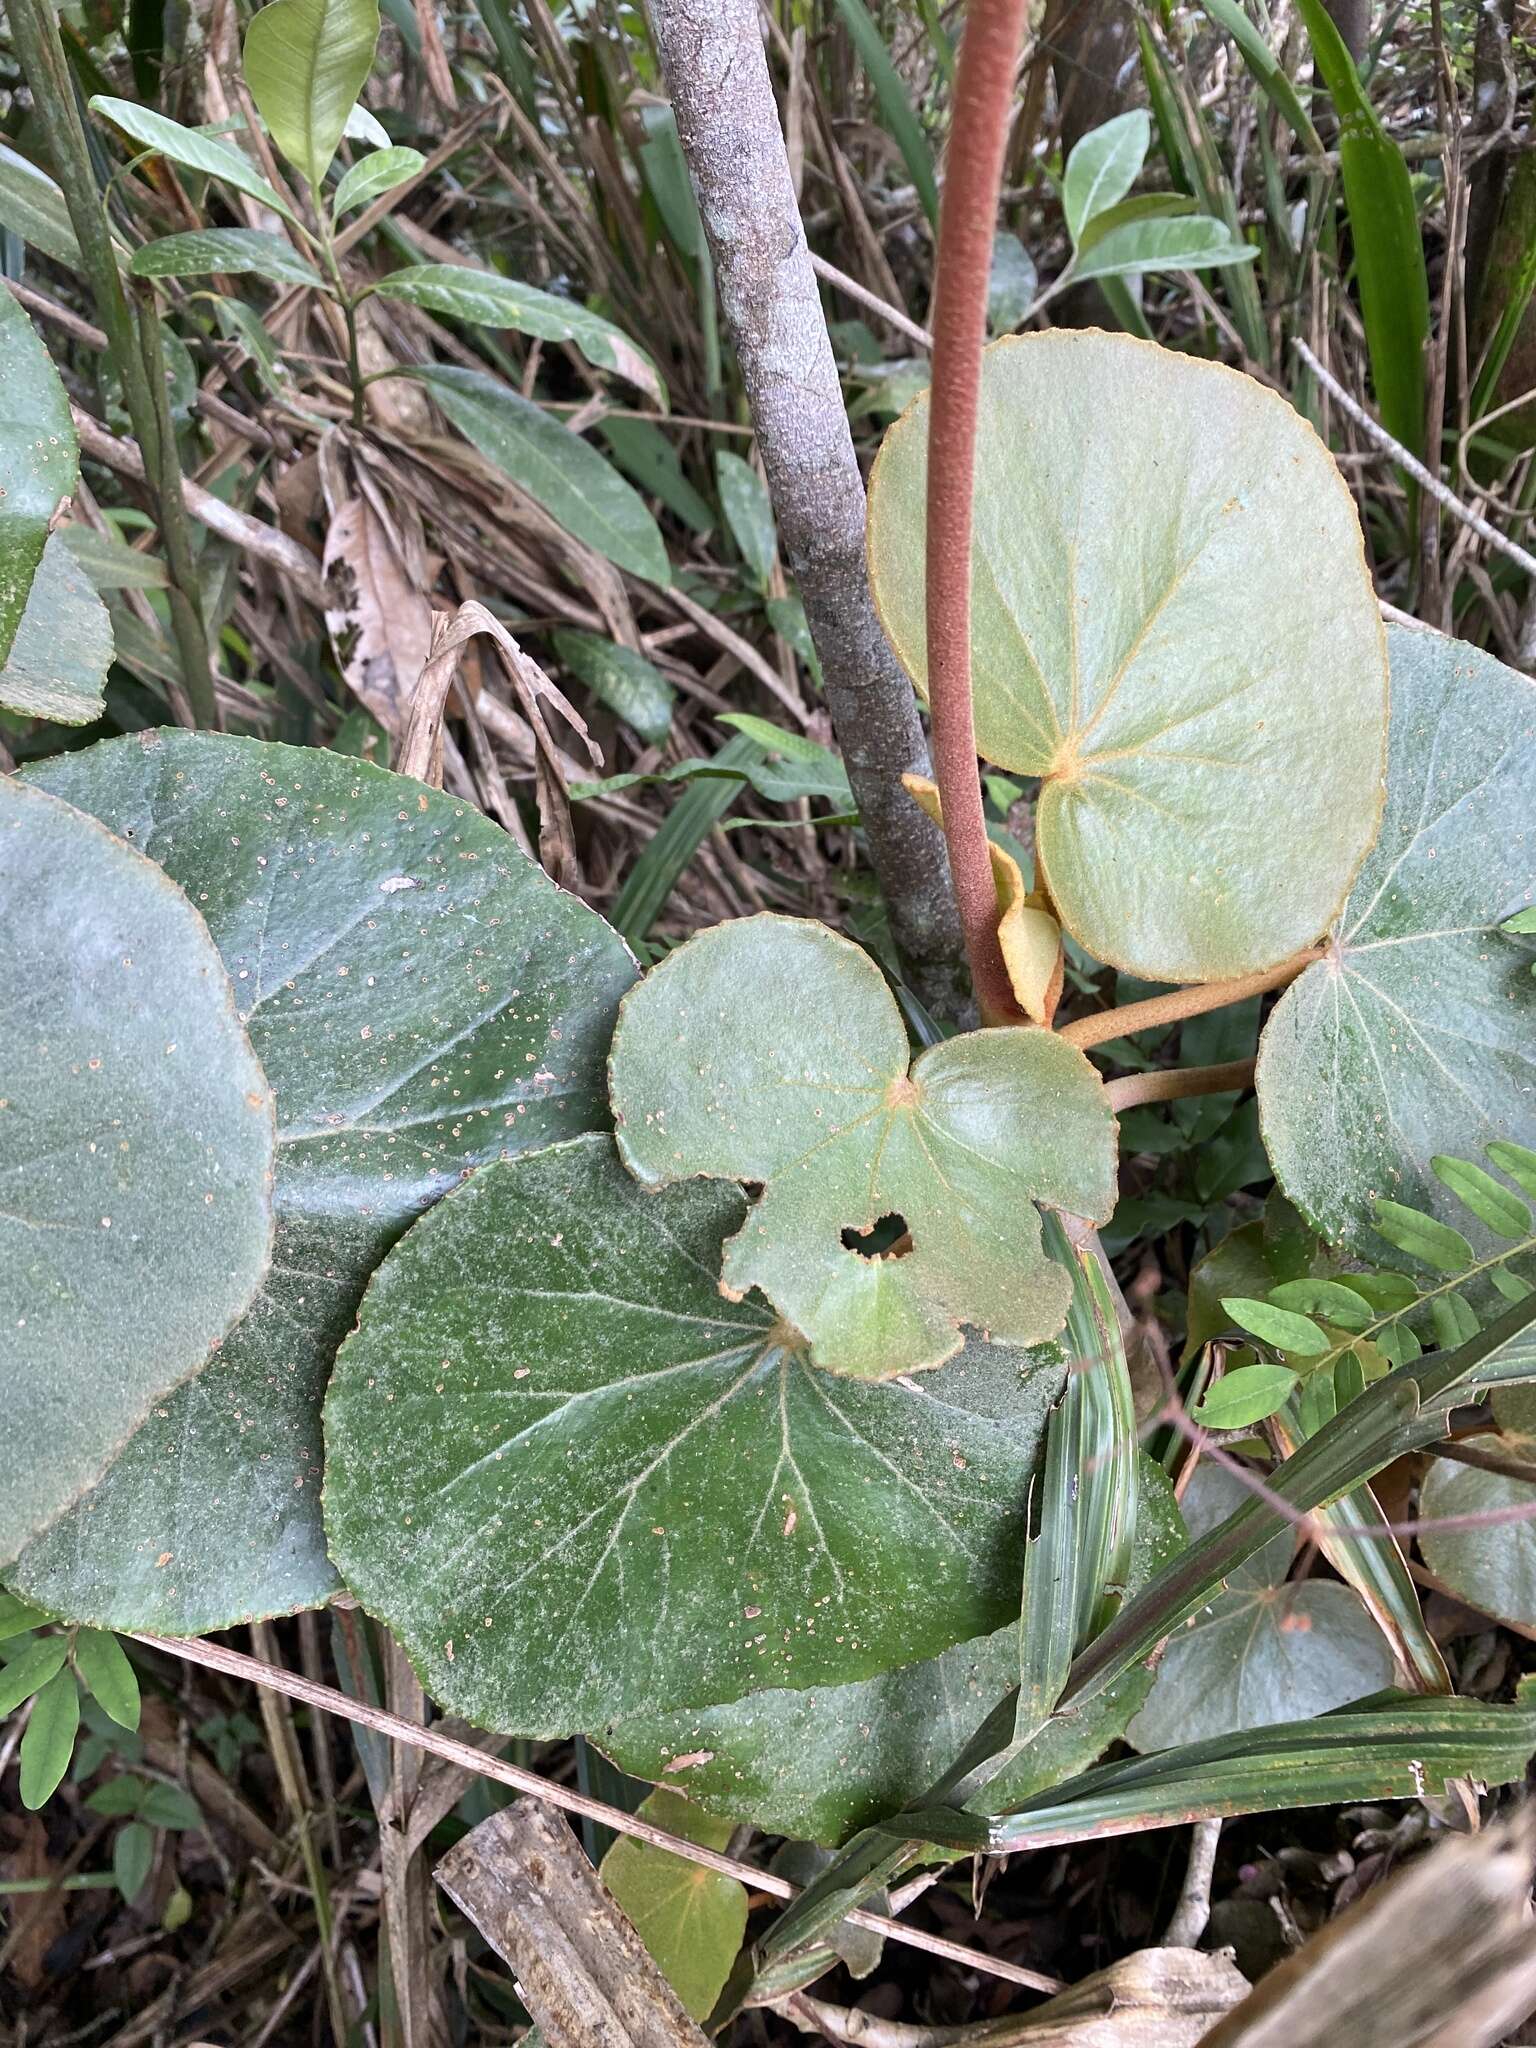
{"x":895,"y":108}
{"x":1267,"y":69}
{"x":654,"y":875}
{"x":1389,"y":252}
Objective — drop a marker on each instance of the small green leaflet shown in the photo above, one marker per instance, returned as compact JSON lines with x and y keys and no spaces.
{"x":382,"y":170}
{"x":1245,"y":1396}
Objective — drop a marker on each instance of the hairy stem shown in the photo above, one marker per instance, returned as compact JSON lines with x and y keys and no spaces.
{"x":712,"y":56}
{"x":1171,"y":1084}
{"x":1179,"y":1003}
{"x":978,"y":135}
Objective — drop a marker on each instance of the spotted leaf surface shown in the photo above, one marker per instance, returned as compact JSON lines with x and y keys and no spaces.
{"x":771,"y":1050}
{"x":135,"y":1150}
{"x":575,"y":1481}
{"x":424,"y":999}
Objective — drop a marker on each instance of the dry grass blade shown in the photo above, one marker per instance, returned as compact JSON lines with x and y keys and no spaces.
{"x":1451,"y":1935}
{"x":377,"y":610}
{"x":215,"y":1657}
{"x":582,"y":1971}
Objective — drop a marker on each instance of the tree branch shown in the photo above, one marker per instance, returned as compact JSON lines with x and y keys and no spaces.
{"x":967,"y":211}
{"x":717,"y":74}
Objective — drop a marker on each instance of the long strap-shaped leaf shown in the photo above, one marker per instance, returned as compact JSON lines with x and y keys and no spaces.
{"x":1396,"y":1415}
{"x":1391,"y":1746}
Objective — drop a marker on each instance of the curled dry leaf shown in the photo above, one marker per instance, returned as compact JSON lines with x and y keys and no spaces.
{"x":376,"y":604}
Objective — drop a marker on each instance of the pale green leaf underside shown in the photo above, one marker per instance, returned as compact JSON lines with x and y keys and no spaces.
{"x":576,"y":1482}
{"x":1416,"y":1035}
{"x":135,"y":1150}
{"x":493,"y":301}
{"x":1173,"y":625}
{"x":771,"y":1050}
{"x":306,"y":61}
{"x":63,"y":647}
{"x":211,"y":154}
{"x":39,"y":459}
{"x":228,"y":250}
{"x":1264,"y":1650}
{"x":373,"y":175}
{"x":819,"y":1765}
{"x":424,"y":999}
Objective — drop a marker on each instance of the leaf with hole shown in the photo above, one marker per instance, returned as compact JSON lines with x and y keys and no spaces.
{"x":824,"y":1763}
{"x":232,"y":251}
{"x":1416,"y":1035}
{"x":691,"y":1919}
{"x":423,"y":999}
{"x":305,"y":63}
{"x":723,"y":1065}
{"x":135,"y":1150}
{"x":39,"y":462}
{"x":57,"y":668}
{"x":1265,"y":1649}
{"x":1174,"y":627}
{"x":548,"y":1410}
{"x":577,"y":487}
{"x":488,"y":300}
{"x":194,"y":151}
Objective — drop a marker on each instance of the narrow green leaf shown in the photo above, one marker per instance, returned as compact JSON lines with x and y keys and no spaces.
{"x":488,"y":300}
{"x":1278,"y":1326}
{"x":1510,"y":1285}
{"x":112,"y":564}
{"x":378,"y":172}
{"x":633,"y":688}
{"x":234,"y":251}
{"x":670,"y":848}
{"x":306,"y":61}
{"x":1388,"y":1293}
{"x":563,"y":473}
{"x":133,"y":1857}
{"x":1103,"y":168}
{"x":1266,"y":68}
{"x":1489,"y":1200}
{"x":1383,"y":221}
{"x":18,"y":1617}
{"x":49,"y":1740}
{"x":1196,"y":243}
{"x":33,"y":207}
{"x":30,"y":1668}
{"x":1239,"y":1399}
{"x":895,"y":108}
{"x":1518,"y":1161}
{"x":648,"y":459}
{"x":749,"y":514}
{"x":1141,"y":206}
{"x":103,"y":1664}
{"x":1340,"y":1303}
{"x":194,"y":151}
{"x":1422,"y":1237}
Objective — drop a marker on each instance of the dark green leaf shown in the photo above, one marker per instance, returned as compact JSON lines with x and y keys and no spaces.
{"x":1279,"y":1327}
{"x":210,"y":154}
{"x":103,"y":1664}
{"x":18,"y":1617}
{"x":1339,"y":1301}
{"x":633,"y":688}
{"x":232,"y":250}
{"x":168,"y":1806}
{"x":49,"y":1739}
{"x":648,"y":458}
{"x":748,"y":513}
{"x":136,"y":1145}
{"x":30,"y":1668}
{"x":133,"y":1857}
{"x":563,"y":473}
{"x":895,"y":108}
{"x":34,"y":208}
{"x":549,"y":1408}
{"x":1454,"y":1321}
{"x":1423,"y":1237}
{"x":423,"y":999}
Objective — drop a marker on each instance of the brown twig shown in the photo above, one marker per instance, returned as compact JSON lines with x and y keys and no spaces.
{"x":983,"y":100}
{"x":215,"y":1657}
{"x":1158,"y":1011}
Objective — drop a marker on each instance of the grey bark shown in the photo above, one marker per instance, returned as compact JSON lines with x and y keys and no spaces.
{"x":717,"y":74}
{"x":581,"y":1969}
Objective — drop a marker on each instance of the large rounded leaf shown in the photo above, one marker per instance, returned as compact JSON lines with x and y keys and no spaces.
{"x":424,"y":999}
{"x":1416,"y":1035}
{"x":1174,"y":627}
{"x":771,"y":1050}
{"x":1490,"y":1565}
{"x":820,"y":1765}
{"x":575,"y":1481}
{"x":135,"y":1150}
{"x":1266,"y":1649}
